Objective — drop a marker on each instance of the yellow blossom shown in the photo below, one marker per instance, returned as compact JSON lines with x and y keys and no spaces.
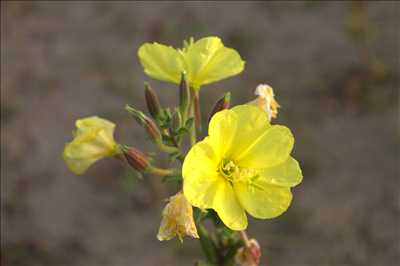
{"x":93,"y":140}
{"x":204,"y":61}
{"x":266,"y":100}
{"x":177,"y":219}
{"x":244,"y":165}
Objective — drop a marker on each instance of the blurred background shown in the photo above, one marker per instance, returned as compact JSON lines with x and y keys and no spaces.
{"x":335,"y":70}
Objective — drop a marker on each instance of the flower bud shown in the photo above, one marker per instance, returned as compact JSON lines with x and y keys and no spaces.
{"x":146,"y":122}
{"x":153,"y":104}
{"x":220,"y":105}
{"x":177,"y":219}
{"x":249,"y":255}
{"x":184,"y":96}
{"x":136,"y":159}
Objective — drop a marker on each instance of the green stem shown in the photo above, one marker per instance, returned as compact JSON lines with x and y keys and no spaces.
{"x":160,"y":171}
{"x":193,"y":137}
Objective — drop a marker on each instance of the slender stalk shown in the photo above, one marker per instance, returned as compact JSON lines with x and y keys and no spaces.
{"x":245,"y":238}
{"x":197,"y":113}
{"x":193,"y":137}
{"x":160,"y":171}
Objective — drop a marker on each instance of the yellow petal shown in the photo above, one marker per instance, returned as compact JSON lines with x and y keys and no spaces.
{"x":205,"y":188}
{"x":161,"y":62}
{"x":222,"y":130}
{"x":200,"y":175}
{"x":263,"y":200}
{"x":228,"y":208}
{"x":270,"y":149}
{"x":208,"y":60}
{"x":286,"y":174}
{"x":93,"y":141}
{"x":251,"y":124}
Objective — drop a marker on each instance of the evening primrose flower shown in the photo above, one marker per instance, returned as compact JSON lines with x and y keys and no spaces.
{"x":93,"y":140}
{"x":244,"y":165}
{"x":204,"y":61}
{"x":266,"y":100}
{"x":177,"y":219}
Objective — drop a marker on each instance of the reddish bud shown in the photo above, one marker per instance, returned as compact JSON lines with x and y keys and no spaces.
{"x":249,"y":255}
{"x":153,"y":104}
{"x":152,"y":129}
{"x":137,"y":159}
{"x":146,"y":122}
{"x":220,"y":105}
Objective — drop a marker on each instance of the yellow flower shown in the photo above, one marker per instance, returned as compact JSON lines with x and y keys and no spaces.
{"x":93,"y":140}
{"x":266,"y":100}
{"x":243,"y":165}
{"x":177,"y":219}
{"x":204,"y":61}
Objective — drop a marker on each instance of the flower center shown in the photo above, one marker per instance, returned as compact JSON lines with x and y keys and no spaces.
{"x":228,"y":169}
{"x":233,"y":173}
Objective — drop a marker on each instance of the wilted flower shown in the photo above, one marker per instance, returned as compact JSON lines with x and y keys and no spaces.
{"x":266,"y":100}
{"x":204,"y":61}
{"x":93,"y":140}
{"x":243,"y":165}
{"x":249,"y":255}
{"x":177,"y":219}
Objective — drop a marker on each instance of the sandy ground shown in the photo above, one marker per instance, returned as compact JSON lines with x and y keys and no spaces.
{"x":62,"y":61}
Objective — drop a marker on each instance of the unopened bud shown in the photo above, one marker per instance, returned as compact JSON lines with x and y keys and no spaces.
{"x":176,"y":119}
{"x":184,"y":96}
{"x":220,"y":105}
{"x":146,"y":122}
{"x":136,"y":159}
{"x":249,"y":255}
{"x":153,"y":104}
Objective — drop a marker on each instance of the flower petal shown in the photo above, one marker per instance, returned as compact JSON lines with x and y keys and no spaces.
{"x":228,"y":207}
{"x":222,"y":129}
{"x":161,"y":62}
{"x":251,"y":124}
{"x":263,"y":200}
{"x":270,"y":149}
{"x":287,"y":174}
{"x":208,"y":60}
{"x":200,"y":175}
{"x":205,"y":188}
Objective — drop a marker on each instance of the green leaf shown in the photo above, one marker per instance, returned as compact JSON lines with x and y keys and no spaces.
{"x":189,"y":123}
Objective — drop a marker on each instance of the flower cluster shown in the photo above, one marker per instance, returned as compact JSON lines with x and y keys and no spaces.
{"x":242,"y":167}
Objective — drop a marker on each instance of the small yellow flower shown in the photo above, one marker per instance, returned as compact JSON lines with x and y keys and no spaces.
{"x":243,"y":165}
{"x":93,"y":140}
{"x":177,"y":219}
{"x":204,"y":61}
{"x":266,"y":100}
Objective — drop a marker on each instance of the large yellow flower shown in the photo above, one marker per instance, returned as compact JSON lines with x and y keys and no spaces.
{"x":204,"y":61}
{"x":243,"y":165}
{"x":93,"y":140}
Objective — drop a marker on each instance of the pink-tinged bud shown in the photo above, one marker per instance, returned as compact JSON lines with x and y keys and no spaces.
{"x":249,"y":255}
{"x":137,"y":159}
{"x":153,"y":104}
{"x":152,"y":129}
{"x":146,"y":122}
{"x":220,"y":105}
